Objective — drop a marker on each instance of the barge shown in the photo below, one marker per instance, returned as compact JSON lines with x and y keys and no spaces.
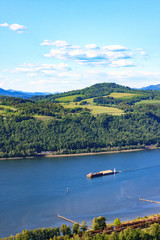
{"x":102,"y":173}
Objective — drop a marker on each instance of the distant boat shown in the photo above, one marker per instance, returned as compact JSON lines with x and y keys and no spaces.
{"x":102,"y":173}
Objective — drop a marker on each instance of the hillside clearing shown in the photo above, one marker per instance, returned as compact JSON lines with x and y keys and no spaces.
{"x":109,"y":110}
{"x":68,"y":98}
{"x":148,"y":102}
{"x":7,"y":107}
{"x":96,"y":109}
{"x":43,"y":118}
{"x":122,"y":95}
{"x":2,"y":112}
{"x":89,"y":100}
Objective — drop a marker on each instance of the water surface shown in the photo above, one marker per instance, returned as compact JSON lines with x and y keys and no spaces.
{"x":33,"y":191}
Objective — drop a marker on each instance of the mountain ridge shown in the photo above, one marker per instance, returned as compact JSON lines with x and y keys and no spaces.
{"x":21,"y":94}
{"x":152,"y":87}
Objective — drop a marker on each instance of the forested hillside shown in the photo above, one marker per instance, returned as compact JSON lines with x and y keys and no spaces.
{"x":103,"y":117}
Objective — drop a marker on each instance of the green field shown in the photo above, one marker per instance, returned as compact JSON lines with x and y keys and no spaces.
{"x":3,"y":109}
{"x":96,"y":109}
{"x":122,"y":95}
{"x":7,"y":107}
{"x":89,"y":100}
{"x":68,"y":98}
{"x":2,"y":112}
{"x":148,"y":102}
{"x":43,"y":118}
{"x":109,"y":110}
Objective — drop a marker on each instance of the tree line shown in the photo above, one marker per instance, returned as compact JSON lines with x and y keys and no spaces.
{"x":25,"y":136}
{"x":80,"y":232}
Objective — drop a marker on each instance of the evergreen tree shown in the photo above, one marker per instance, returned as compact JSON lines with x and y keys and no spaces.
{"x":83,"y":226}
{"x":76,"y":228}
{"x":99,"y":223}
{"x":117,"y":221}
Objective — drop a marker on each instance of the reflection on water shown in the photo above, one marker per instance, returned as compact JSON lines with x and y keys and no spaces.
{"x":34,"y":191}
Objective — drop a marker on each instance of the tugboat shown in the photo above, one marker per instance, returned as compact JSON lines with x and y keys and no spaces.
{"x":102,"y":173}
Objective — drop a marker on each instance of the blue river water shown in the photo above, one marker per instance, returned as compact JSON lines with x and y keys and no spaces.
{"x":33,"y":191}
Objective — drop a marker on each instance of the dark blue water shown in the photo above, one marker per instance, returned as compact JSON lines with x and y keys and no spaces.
{"x":33,"y":191}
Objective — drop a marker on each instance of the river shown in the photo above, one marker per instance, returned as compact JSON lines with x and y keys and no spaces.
{"x":33,"y":191}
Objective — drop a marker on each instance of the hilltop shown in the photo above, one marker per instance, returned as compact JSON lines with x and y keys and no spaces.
{"x":99,"y":89}
{"x":110,"y":98}
{"x":103,"y":117}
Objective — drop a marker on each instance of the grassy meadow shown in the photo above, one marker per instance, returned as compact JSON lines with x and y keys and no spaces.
{"x":7,"y":107}
{"x":122,"y":95}
{"x":43,"y":118}
{"x":89,"y":100}
{"x":148,"y":102}
{"x":96,"y":109}
{"x":68,"y":98}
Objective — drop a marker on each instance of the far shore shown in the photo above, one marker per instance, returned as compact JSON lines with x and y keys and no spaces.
{"x":52,"y":155}
{"x":90,"y":153}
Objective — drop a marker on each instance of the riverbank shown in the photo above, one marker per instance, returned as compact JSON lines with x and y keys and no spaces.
{"x":85,"y":232}
{"x":90,"y":153}
{"x":53,"y":155}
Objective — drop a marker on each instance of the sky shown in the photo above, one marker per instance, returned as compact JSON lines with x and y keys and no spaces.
{"x":61,"y":45}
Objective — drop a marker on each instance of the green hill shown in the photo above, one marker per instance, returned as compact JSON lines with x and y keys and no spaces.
{"x":100,"y":89}
{"x":102,"y":117}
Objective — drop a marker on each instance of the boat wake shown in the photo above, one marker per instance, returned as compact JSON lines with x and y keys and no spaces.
{"x":138,"y":169}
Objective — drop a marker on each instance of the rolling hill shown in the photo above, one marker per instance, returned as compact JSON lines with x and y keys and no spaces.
{"x":103,"y":117}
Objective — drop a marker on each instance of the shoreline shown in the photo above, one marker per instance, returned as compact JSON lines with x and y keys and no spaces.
{"x":123,"y":224}
{"x":51,"y":155}
{"x":92,"y":153}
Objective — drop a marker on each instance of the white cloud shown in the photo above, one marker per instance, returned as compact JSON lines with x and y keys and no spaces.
{"x":14,"y":27}
{"x":1,"y":84}
{"x":77,"y":79}
{"x":130,"y":78}
{"x":141,"y":51}
{"x":126,"y":74}
{"x":41,"y":69}
{"x":58,"y":43}
{"x":2,"y":81}
{"x":17,"y":27}
{"x":91,"y":46}
{"x":59,"y":77}
{"x":121,"y":63}
{"x":115,"y":48}
{"x":4,"y":25}
{"x":91,"y":54}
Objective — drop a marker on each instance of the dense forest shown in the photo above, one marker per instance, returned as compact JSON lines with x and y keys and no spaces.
{"x":66,"y":123}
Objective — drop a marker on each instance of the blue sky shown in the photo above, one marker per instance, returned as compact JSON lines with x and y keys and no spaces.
{"x":61,"y":45}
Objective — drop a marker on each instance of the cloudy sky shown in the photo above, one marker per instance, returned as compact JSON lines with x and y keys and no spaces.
{"x":61,"y":45}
